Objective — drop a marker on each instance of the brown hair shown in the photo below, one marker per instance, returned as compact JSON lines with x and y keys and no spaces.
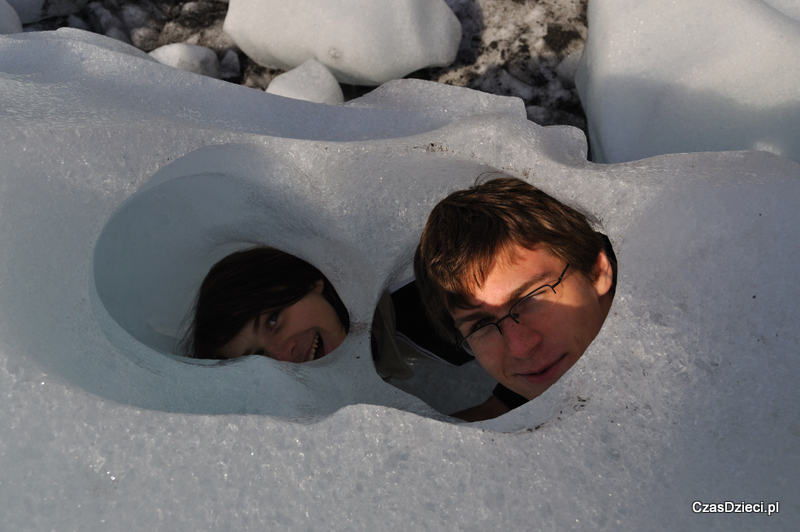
{"x":246,"y":284}
{"x":470,"y":229}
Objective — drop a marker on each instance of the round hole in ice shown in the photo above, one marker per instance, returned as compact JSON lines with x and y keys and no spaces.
{"x":155,"y":250}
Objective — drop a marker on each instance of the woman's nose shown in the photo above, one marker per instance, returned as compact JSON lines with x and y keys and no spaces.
{"x":281,"y":347}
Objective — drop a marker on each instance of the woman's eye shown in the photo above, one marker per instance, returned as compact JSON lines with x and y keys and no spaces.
{"x":272,"y":319}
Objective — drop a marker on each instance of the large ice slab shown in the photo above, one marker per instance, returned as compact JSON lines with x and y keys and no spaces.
{"x":689,"y":76}
{"x":123,"y":180}
{"x":364,"y":42}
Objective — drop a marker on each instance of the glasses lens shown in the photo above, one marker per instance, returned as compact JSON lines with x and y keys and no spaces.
{"x":534,"y":304}
{"x":524,"y":312}
{"x":481,"y":339}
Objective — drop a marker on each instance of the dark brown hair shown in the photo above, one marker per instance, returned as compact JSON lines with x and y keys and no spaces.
{"x":243,"y":286}
{"x":470,"y":229}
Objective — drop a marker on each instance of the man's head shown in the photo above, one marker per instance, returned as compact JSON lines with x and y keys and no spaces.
{"x":485,"y":248}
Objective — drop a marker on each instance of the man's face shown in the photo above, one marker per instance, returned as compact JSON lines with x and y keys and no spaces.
{"x":528,"y":359}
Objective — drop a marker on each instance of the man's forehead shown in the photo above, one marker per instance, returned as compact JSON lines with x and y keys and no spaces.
{"x":513,"y":272}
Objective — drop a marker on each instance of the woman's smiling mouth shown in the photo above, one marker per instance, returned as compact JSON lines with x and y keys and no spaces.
{"x":317,"y":348}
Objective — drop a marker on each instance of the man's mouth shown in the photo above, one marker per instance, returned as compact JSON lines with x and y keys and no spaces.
{"x":544,"y":374}
{"x":317,"y":346}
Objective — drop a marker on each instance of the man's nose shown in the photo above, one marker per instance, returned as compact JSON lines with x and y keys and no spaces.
{"x":520,"y":340}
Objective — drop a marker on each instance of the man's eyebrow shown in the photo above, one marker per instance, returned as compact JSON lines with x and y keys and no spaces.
{"x":534,"y":282}
{"x":469,"y":317}
{"x":512,"y":298}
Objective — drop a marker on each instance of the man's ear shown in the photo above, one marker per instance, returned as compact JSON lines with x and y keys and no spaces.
{"x":603,"y":274}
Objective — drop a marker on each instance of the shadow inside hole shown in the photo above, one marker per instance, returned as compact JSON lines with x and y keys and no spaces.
{"x":411,"y":355}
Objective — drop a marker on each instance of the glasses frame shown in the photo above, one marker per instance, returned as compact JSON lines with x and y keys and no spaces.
{"x":465,"y":344}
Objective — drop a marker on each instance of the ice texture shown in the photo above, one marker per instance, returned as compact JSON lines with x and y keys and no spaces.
{"x":684,"y":76}
{"x":35,"y":10}
{"x":311,"y":82}
{"x":9,"y":20}
{"x":123,"y":180}
{"x":362,"y":42}
{"x":188,"y":57}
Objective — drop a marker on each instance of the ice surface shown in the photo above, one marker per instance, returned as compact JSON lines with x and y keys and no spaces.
{"x":9,"y":20}
{"x":689,"y":76}
{"x":123,"y":180}
{"x":188,"y":57}
{"x":311,"y":82}
{"x":363,"y":42}
{"x":34,"y":10}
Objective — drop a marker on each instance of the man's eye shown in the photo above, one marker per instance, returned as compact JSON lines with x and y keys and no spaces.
{"x":542,"y":293}
{"x":480,"y":324}
{"x":535,"y":299}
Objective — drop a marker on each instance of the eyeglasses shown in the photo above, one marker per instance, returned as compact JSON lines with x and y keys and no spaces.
{"x":486,"y":333}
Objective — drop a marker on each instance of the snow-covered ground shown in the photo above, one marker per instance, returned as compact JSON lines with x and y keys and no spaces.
{"x":123,"y":179}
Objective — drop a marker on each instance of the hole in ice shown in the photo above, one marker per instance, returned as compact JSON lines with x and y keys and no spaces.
{"x":409,"y":354}
{"x":157,"y":248}
{"x":153,"y":253}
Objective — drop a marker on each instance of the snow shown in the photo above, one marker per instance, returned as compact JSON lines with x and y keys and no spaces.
{"x":685,"y":76}
{"x":363,"y":42}
{"x":311,"y":82}
{"x":188,"y":57}
{"x":124,"y":179}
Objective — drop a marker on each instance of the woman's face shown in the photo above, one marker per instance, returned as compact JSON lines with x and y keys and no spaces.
{"x":306,"y":330}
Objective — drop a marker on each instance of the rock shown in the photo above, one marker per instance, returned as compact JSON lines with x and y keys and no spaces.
{"x":9,"y":20}
{"x":188,"y":57}
{"x":311,"y":81}
{"x":229,"y":66}
{"x":363,"y":42}
{"x":35,"y":10}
